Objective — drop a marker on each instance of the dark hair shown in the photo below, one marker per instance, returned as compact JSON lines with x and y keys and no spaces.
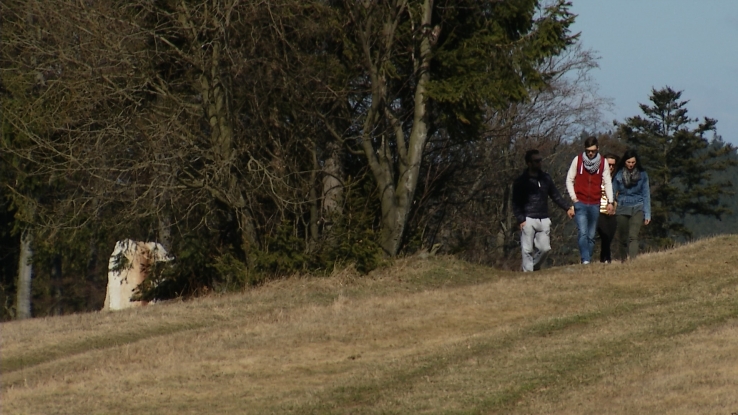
{"x":590,"y":141}
{"x":629,"y":154}
{"x":612,"y":156}
{"x":529,"y":154}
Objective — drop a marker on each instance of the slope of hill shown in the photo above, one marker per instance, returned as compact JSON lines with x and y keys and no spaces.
{"x":657,"y":335}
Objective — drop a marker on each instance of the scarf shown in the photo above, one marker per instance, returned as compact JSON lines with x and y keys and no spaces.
{"x":630,"y":178}
{"x":592,"y":165}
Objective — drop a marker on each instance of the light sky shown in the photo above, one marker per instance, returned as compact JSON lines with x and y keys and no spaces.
{"x":688,"y":45}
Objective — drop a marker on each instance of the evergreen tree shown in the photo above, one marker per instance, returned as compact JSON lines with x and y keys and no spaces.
{"x":680,"y":161}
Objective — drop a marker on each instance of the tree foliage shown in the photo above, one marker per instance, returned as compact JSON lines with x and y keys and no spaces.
{"x":262,"y":138}
{"x":434,"y":67}
{"x":680,"y":160}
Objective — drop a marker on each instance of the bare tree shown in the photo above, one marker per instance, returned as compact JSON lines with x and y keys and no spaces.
{"x":468,"y":185}
{"x":165,"y":120}
{"x":421,"y":59}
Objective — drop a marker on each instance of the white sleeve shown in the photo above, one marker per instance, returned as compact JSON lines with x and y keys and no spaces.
{"x":570,"y":176}
{"x":607,"y":180}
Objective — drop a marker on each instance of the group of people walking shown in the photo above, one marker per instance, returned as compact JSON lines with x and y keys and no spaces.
{"x":610,"y":196}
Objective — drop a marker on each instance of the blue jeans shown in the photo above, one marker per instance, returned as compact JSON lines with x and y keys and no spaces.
{"x":586,"y":218}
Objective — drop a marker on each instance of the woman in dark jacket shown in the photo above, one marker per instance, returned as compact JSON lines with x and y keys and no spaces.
{"x":633,"y":198}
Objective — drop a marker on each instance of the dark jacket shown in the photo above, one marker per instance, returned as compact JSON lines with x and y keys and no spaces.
{"x":530,"y":196}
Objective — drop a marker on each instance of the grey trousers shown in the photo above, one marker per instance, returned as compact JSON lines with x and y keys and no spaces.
{"x":629,"y":226}
{"x":535,"y":242}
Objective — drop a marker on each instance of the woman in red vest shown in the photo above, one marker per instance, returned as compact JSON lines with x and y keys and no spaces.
{"x":584,"y":181}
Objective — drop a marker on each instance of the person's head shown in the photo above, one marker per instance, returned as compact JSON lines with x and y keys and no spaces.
{"x":591,"y":146}
{"x":612,"y":162}
{"x":533,"y":159}
{"x":630,"y":160}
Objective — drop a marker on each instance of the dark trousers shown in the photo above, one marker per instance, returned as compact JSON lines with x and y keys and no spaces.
{"x":606,"y":228}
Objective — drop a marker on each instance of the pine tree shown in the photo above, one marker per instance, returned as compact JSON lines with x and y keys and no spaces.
{"x":680,"y":160}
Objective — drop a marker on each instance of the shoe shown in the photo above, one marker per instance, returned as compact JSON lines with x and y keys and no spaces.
{"x":585,"y":262}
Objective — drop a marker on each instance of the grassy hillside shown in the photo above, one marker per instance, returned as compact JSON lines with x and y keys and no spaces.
{"x":658,"y":335}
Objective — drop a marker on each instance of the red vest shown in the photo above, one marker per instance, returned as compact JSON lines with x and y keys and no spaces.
{"x":588,"y":186}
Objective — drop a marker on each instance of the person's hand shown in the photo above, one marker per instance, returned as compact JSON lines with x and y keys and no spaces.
{"x":522,"y":225}
{"x":610,"y":209}
{"x":647,"y":221}
{"x":570,"y":212}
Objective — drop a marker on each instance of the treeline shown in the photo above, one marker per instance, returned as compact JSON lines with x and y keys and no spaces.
{"x":259,"y":139}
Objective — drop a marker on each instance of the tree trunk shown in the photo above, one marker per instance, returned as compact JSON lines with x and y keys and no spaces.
{"x":397,"y":193}
{"x":217,"y":111}
{"x":25,"y":274}
{"x":57,"y":309}
{"x":332,"y":186}
{"x":95,"y":276}
{"x":313,"y":233}
{"x":503,"y":218}
{"x":249,"y":241}
{"x":165,"y":231}
{"x":506,"y":222}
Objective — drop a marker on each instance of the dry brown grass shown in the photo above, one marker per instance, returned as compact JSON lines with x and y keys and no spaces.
{"x":658,"y":335}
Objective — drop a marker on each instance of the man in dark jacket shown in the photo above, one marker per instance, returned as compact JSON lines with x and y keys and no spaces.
{"x":530,"y":206}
